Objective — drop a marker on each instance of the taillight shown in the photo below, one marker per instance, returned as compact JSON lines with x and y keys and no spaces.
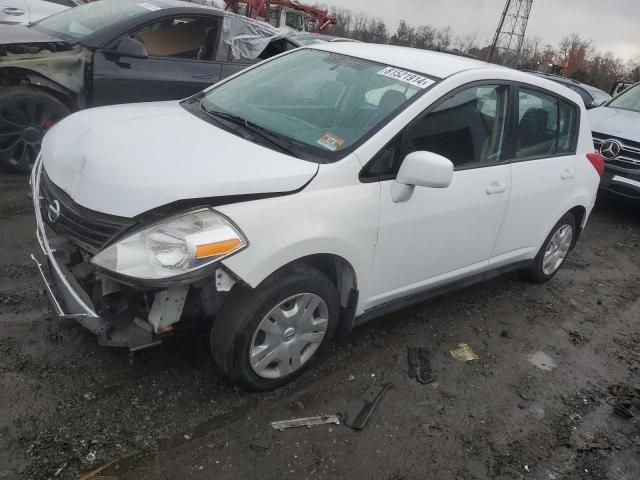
{"x":597,"y":161}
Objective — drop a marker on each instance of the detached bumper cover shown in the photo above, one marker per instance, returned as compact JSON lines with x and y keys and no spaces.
{"x":67,"y":297}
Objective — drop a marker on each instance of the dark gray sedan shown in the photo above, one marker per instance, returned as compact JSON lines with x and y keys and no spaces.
{"x":116,"y":51}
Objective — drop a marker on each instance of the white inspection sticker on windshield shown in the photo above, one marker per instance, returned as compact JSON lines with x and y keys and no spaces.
{"x":407,"y":77}
{"x":150,"y":6}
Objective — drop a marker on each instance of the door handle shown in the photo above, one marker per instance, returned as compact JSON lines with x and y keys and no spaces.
{"x":568,"y":174}
{"x":13,"y":11}
{"x":496,"y":187}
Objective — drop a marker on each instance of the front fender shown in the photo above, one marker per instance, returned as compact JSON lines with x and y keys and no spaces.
{"x":342,"y":221}
{"x":64,"y":69}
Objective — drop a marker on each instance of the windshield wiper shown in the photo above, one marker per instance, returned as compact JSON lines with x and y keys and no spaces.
{"x":274,"y":138}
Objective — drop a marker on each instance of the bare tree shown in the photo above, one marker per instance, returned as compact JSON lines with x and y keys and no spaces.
{"x":425,"y":37}
{"x":443,"y":38}
{"x":466,"y":43}
{"x":579,"y":55}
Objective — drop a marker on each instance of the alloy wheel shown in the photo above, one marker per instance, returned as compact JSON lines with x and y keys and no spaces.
{"x":23,"y":123}
{"x":557,"y":249}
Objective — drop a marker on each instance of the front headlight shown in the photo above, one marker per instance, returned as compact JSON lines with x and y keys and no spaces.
{"x":173,"y":247}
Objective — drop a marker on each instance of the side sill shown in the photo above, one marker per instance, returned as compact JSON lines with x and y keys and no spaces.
{"x":425,"y":295}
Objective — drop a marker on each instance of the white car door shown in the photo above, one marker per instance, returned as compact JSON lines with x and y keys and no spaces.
{"x":439,"y":235}
{"x":543,"y":171}
{"x":14,"y":11}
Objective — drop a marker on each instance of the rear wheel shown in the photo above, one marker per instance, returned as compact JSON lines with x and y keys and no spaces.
{"x":25,"y":116}
{"x":264,"y":338}
{"x":554,"y":250}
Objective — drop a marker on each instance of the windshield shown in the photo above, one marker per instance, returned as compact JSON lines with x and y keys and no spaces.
{"x":627,"y":100}
{"x":81,"y":21}
{"x":324,"y":102}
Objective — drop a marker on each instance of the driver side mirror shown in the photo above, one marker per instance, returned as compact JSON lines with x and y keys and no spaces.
{"x":130,"y":47}
{"x":421,"y":169}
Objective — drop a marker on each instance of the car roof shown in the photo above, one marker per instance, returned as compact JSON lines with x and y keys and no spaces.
{"x":181,"y":3}
{"x":100,"y":37}
{"x":593,"y":91}
{"x":435,"y":64}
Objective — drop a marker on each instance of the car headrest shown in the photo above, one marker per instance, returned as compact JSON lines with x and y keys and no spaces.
{"x":533,"y":127}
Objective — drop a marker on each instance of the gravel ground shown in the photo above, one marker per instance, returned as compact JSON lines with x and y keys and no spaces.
{"x":536,"y":404}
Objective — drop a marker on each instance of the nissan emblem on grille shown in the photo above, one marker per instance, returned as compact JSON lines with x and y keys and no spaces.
{"x":610,"y":149}
{"x":53,"y":211}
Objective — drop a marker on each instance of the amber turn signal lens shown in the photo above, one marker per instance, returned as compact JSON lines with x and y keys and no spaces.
{"x":217,"y":248}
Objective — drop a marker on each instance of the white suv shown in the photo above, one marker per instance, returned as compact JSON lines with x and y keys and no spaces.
{"x":307,"y":195}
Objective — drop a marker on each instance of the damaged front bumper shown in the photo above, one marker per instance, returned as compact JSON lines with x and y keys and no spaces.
{"x":107,"y":311}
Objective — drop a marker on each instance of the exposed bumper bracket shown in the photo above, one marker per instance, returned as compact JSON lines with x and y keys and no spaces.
{"x":66,"y":295}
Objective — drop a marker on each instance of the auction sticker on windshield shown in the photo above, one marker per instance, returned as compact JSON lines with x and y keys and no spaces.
{"x":331,"y":142}
{"x":406,"y":77}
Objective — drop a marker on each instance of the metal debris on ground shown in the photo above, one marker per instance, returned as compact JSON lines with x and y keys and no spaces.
{"x":419,"y":359}
{"x":360,"y":411}
{"x":306,"y":422}
{"x":464,"y":353}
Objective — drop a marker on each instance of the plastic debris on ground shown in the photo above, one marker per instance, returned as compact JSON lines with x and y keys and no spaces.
{"x":419,"y":360}
{"x":464,"y":353}
{"x":360,"y":411}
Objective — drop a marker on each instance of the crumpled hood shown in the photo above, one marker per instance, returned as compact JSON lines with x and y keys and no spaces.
{"x":22,"y":35}
{"x":616,"y":122}
{"x":128,"y":159}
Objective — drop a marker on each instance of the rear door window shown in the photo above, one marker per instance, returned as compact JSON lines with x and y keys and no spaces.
{"x":546,"y":125}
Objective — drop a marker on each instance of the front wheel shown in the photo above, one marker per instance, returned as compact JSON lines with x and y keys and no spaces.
{"x":264,"y":338}
{"x":554,"y":250}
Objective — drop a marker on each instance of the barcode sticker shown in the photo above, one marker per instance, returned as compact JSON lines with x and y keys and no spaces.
{"x":407,"y":77}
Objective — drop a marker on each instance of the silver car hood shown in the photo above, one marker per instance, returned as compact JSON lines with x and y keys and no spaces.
{"x":615,"y":122}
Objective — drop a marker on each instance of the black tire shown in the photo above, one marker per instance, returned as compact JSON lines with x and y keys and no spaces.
{"x":26,"y":113}
{"x":233,"y":329}
{"x":535,"y":273}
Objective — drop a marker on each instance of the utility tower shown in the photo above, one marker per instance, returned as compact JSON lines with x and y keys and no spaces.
{"x":509,"y":36}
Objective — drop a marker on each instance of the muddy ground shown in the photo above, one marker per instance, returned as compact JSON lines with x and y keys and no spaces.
{"x":69,"y":406}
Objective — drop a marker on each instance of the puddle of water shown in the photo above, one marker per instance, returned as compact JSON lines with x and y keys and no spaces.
{"x":542,"y":361}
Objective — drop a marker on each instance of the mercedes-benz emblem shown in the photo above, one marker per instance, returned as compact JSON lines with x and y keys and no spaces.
{"x":53,"y":211}
{"x":610,"y":149}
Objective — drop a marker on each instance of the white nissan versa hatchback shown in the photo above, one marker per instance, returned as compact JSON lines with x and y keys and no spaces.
{"x":306,"y":195}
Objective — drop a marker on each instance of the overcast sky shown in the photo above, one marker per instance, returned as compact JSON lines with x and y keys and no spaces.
{"x":613,"y":25}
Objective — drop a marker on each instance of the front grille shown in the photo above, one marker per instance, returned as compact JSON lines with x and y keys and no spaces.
{"x":629,"y":156}
{"x":88,"y":229}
